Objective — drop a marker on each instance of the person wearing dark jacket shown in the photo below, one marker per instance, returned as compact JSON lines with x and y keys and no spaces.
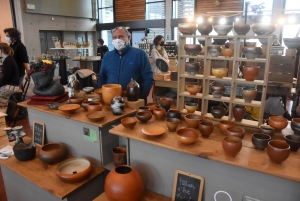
{"x":102,"y":49}
{"x":13,"y":36}
{"x":126,"y":62}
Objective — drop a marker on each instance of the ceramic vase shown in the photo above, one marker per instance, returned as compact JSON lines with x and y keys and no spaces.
{"x":133,"y":91}
{"x":109,"y":91}
{"x":239,"y":112}
{"x":124,"y":183}
{"x":117,"y":105}
{"x":119,"y":156}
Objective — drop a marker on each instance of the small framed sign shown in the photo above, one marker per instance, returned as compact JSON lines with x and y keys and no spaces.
{"x":187,"y":186}
{"x":38,"y":132}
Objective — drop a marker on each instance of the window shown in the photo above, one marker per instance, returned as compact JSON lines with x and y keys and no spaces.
{"x":107,"y":37}
{"x":154,"y":32}
{"x":155,"y":9}
{"x":106,"y":12}
{"x":292,"y":6}
{"x":183,"y":8}
{"x":259,"y":7}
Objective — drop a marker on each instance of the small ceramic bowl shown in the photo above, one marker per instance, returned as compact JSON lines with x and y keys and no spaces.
{"x":217,"y":94}
{"x":232,"y":145}
{"x":152,"y":106}
{"x":144,"y":116}
{"x":187,"y":28}
{"x":143,"y":108}
{"x":293,"y":141}
{"x":129,"y":122}
{"x":174,"y":114}
{"x":172,"y":124}
{"x":69,"y":108}
{"x":52,"y":153}
{"x":192,"y":120}
{"x":278,"y":122}
{"x":206,"y":128}
{"x":159,"y":113}
{"x":76,"y":100}
{"x":219,"y":72}
{"x":187,"y":135}
{"x":193,"y":89}
{"x":96,"y":115}
{"x":227,"y":52}
{"x":235,"y":131}
{"x":266,"y":129}
{"x":260,"y":140}
{"x":191,"y":107}
{"x":223,"y":125}
{"x":88,"y":90}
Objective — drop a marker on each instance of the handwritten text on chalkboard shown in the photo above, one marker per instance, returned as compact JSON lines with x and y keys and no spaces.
{"x":38,"y":132}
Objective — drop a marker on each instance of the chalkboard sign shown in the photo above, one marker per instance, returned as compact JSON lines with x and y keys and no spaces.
{"x":38,"y":132}
{"x":187,"y":187}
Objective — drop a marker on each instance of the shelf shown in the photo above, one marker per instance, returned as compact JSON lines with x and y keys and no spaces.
{"x":252,"y":60}
{"x":220,"y":58}
{"x":70,"y":48}
{"x":226,"y":79}
{"x":242,"y":102}
{"x":209,"y":115}
{"x":164,"y":83}
{"x":197,"y":76}
{"x":187,"y":94}
{"x":192,"y":57}
{"x":246,"y":122}
{"x":255,"y":82}
{"x":222,"y":99}
{"x":251,"y":37}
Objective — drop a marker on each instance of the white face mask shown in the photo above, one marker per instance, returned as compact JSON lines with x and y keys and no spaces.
{"x":118,"y":44}
{"x":8,"y":39}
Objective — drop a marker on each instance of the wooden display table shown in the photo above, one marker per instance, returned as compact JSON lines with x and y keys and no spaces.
{"x":148,"y":196}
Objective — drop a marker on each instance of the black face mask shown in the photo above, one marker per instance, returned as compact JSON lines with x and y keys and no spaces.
{"x":162,"y":43}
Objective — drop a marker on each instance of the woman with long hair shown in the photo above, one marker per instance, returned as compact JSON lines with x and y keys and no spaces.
{"x":158,"y":52}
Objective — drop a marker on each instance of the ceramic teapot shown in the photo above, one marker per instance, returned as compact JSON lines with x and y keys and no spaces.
{"x":117,"y":105}
{"x":133,"y":91}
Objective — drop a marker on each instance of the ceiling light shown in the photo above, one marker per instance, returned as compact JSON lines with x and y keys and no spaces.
{"x":237,"y":19}
{"x":281,"y":20}
{"x":222,"y":20}
{"x":210,"y":19}
{"x":190,"y":18}
{"x":199,"y":20}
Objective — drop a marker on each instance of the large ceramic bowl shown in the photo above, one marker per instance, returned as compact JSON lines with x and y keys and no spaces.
{"x":192,"y":68}
{"x":187,"y":135}
{"x":235,"y":131}
{"x":222,"y":30}
{"x":187,"y":28}
{"x":241,"y":29}
{"x":278,"y":151}
{"x":249,"y":94}
{"x":293,"y":141}
{"x":52,"y":153}
{"x":223,"y":125}
{"x":295,"y":125}
{"x":250,"y":72}
{"x":291,"y":43}
{"x":193,"y":89}
{"x":205,"y":29}
{"x":219,"y":41}
{"x":192,"y":120}
{"x":217,"y":111}
{"x":232,"y":145}
{"x":214,"y":50}
{"x":219,"y":72}
{"x":144,"y":116}
{"x":96,"y":116}
{"x":74,"y":170}
{"x":69,"y":108}
{"x":251,"y":52}
{"x":278,"y":122}
{"x":192,"y":49}
{"x":260,"y":140}
{"x":129,"y":122}
{"x":262,"y":29}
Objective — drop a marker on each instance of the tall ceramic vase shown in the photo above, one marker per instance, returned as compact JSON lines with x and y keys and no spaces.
{"x":124,"y":183}
{"x":133,"y":91}
{"x":239,"y":112}
{"x":109,"y":91}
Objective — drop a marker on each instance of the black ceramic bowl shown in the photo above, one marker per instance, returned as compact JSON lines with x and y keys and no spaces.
{"x":174,"y":114}
{"x":217,"y":111}
{"x":260,"y":141}
{"x":24,"y":152}
{"x":293,"y":141}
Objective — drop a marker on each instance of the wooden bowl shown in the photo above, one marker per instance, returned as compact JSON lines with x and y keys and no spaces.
{"x":129,"y":122}
{"x":187,"y":135}
{"x":193,"y":89}
{"x":74,"y":170}
{"x":52,"y":153}
{"x":96,"y":115}
{"x":75,"y":100}
{"x":219,"y":72}
{"x":278,"y":122}
{"x":154,"y":131}
{"x":69,"y":108}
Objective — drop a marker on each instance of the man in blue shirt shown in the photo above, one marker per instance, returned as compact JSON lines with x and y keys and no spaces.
{"x":126,"y":62}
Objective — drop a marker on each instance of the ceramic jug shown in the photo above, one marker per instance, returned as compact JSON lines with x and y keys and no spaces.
{"x":117,"y":105}
{"x":132,"y":90}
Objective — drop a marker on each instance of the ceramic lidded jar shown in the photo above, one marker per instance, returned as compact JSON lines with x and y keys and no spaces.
{"x":133,"y":91}
{"x":117,"y":105}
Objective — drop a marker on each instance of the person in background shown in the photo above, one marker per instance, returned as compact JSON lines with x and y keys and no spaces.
{"x":126,"y":62}
{"x":158,"y":51}
{"x":9,"y":82}
{"x":102,"y":49}
{"x":13,"y":36}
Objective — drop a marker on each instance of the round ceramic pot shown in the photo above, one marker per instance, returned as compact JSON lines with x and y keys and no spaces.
{"x":52,"y":153}
{"x":124,"y":183}
{"x":187,"y":28}
{"x":192,"y":49}
{"x":235,"y":131}
{"x":218,"y":112}
{"x":262,"y":29}
{"x":232,"y":145}
{"x":217,"y":87}
{"x":293,"y":141}
{"x":251,"y":52}
{"x":241,"y":29}
{"x":109,"y":91}
{"x":192,"y":120}
{"x":260,"y":140}
{"x":166,"y":103}
{"x":249,"y":94}
{"x":159,"y":113}
{"x":143,"y":108}
{"x":295,"y":125}
{"x":192,"y":68}
{"x":250,"y":72}
{"x":239,"y":112}
{"x":219,"y":41}
{"x":206,"y":128}
{"x":222,"y":30}
{"x":172,"y":124}
{"x":94,"y":106}
{"x":223,"y":125}
{"x":24,"y":153}
{"x":119,"y":156}
{"x":227,"y":52}
{"x":278,"y":122}
{"x":117,"y":105}
{"x":132,"y":91}
{"x":278,"y":151}
{"x":205,"y":29}
{"x":174,"y":114}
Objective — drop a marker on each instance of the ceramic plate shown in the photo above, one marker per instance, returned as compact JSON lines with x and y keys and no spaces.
{"x":154,"y":131}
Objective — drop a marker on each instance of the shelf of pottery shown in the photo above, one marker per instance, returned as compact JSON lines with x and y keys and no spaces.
{"x":239,"y":85}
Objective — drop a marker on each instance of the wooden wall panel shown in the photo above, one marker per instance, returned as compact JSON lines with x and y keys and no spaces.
{"x":6,"y":18}
{"x":130,"y":10}
{"x":203,"y":6}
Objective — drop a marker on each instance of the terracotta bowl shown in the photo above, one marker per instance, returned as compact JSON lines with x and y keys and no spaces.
{"x":94,"y":106}
{"x":278,"y":151}
{"x":249,"y":94}
{"x":129,"y":122}
{"x":174,"y":114}
{"x":166,"y":103}
{"x":187,"y":28}
{"x":52,"y":153}
{"x":214,"y":50}
{"x":266,"y":129}
{"x":193,"y":89}
{"x":144,"y":116}
{"x":262,"y":29}
{"x":251,"y":52}
{"x":187,"y":135}
{"x":75,"y":100}
{"x":143,"y":108}
{"x":293,"y":141}
{"x":192,"y":68}
{"x":219,"y":41}
{"x":232,"y":145}
{"x":172,"y":124}
{"x":205,"y":29}
{"x":219,"y":72}
{"x":291,"y":43}
{"x":96,"y":115}
{"x":218,"y":112}
{"x":192,"y":49}
{"x":69,"y":108}
{"x":295,"y":125}
{"x":260,"y":141}
{"x":74,"y":170}
{"x":250,"y":72}
{"x":191,"y":107}
{"x":154,"y":131}
{"x":159,"y":113}
{"x":241,"y":29}
{"x":227,"y":52}
{"x":235,"y":131}
{"x":217,"y":87}
{"x":206,"y":128}
{"x":223,"y":125}
{"x":192,"y":120}
{"x":222,"y":30}
{"x":152,"y":106}
{"x":278,"y":122}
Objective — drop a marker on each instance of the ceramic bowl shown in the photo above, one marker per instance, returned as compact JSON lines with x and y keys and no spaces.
{"x":235,"y":131}
{"x":223,"y":125}
{"x":217,"y":94}
{"x":222,"y":30}
{"x":144,"y":116}
{"x":295,"y":125}
{"x":153,"y":131}
{"x":187,"y":135}
{"x":52,"y":153}
{"x":291,"y":43}
{"x":129,"y":122}
{"x":232,"y":145}
{"x":251,"y":52}
{"x":293,"y":141}
{"x":214,"y":50}
{"x":69,"y":108}
{"x":74,"y":170}
{"x":96,"y":115}
{"x":206,"y":128}
{"x":172,"y":124}
{"x":278,"y":122}
{"x":241,"y":29}
{"x":249,"y":94}
{"x":88,"y":90}
{"x":192,"y":68}
{"x":250,"y":44}
{"x":94,"y":106}
{"x":174,"y":114}
{"x":24,"y":154}
{"x":152,"y":106}
{"x":191,"y":107}
{"x":192,"y":49}
{"x":250,"y":72}
{"x":262,"y":29}
{"x":166,"y":103}
{"x":227,"y":52}
{"x":219,"y":41}
{"x":84,"y":104}
{"x":278,"y":151}
{"x":187,"y":28}
{"x":260,"y":141}
{"x":205,"y":29}
{"x":266,"y":129}
{"x":143,"y":108}
{"x":193,"y":89}
{"x":159,"y":113}
{"x":219,"y":72}
{"x":218,"y":112}
{"x":76,"y":100}
{"x":217,"y":87}
{"x":192,"y":120}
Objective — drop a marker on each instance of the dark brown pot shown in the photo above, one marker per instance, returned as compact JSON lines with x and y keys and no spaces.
{"x":266,"y":129}
{"x":124,"y":183}
{"x":217,"y":87}
{"x":95,"y":106}
{"x":235,"y":131}
{"x":159,"y":113}
{"x":241,"y":29}
{"x":293,"y":141}
{"x":223,"y":125}
{"x":239,"y":112}
{"x":206,"y":128}
{"x":205,"y":29}
{"x":232,"y":145}
{"x":278,"y":151}
{"x":192,"y":67}
{"x":119,"y":156}
{"x":133,"y":91}
{"x":217,"y":111}
{"x":172,"y":124}
{"x":174,"y":114}
{"x":166,"y":103}
{"x":260,"y":140}
{"x":250,"y":72}
{"x":192,"y":49}
{"x":143,"y":108}
{"x":249,"y":94}
{"x":52,"y":153}
{"x":152,"y":106}
{"x":144,"y":116}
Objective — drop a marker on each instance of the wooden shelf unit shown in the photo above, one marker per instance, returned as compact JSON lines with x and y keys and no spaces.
{"x":206,"y":79}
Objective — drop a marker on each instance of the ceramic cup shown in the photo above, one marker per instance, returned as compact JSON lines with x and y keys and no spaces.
{"x":119,"y":156}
